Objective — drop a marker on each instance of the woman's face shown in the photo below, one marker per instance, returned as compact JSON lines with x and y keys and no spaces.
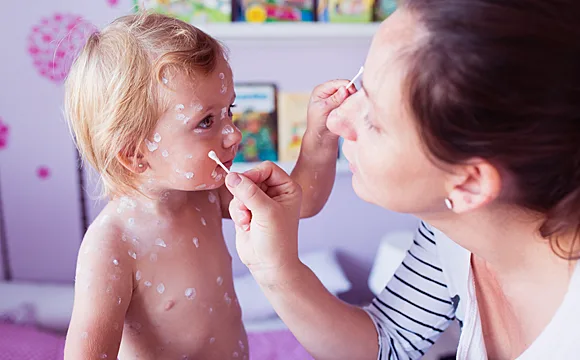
{"x":389,"y":164}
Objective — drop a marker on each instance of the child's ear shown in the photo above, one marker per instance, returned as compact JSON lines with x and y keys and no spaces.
{"x":133,"y":161}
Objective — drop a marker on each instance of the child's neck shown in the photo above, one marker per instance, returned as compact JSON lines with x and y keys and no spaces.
{"x":162,"y":201}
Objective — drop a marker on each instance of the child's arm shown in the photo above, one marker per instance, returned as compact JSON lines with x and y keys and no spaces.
{"x":103,"y":289}
{"x":315,"y":169}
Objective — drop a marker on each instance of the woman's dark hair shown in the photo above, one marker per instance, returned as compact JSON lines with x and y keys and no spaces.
{"x":500,"y":80}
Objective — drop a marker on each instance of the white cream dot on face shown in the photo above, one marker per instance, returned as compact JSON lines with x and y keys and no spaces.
{"x":119,"y":301}
{"x":161,"y":288}
{"x":196,"y":242}
{"x":152,"y":146}
{"x":165,"y":81}
{"x":147,"y":283}
{"x":218,"y":178}
{"x":190,"y":293}
{"x":179,"y":107}
{"x":221,"y":76}
{"x":241,"y":344}
{"x":227,"y":130}
{"x":210,"y":310}
{"x":115,"y":261}
{"x":201,"y":187}
{"x":131,"y":221}
{"x":188,"y":175}
{"x":165,"y":153}
{"x":132,"y":254}
{"x":180,"y":117}
{"x":235,"y":354}
{"x":153,"y":257}
{"x":157,"y":137}
{"x":228,"y":299}
{"x":224,"y":112}
{"x":219,"y":281}
{"x":211,"y":197}
{"x":212,"y":340}
{"x":104,"y":356}
{"x":138,"y":275}
{"x":203,"y":222}
{"x":160,"y":242}
{"x":198,"y":131}
{"x":214,"y":174}
{"x":189,"y":156}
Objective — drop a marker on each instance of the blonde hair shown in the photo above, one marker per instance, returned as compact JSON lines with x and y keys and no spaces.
{"x":113,"y":96}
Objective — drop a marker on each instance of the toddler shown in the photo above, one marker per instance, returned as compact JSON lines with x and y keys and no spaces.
{"x":147,"y":98}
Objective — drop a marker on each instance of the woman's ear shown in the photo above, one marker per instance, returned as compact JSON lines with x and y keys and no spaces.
{"x":473,"y":185}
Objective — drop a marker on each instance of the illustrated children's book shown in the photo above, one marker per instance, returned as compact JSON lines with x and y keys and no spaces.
{"x":259,"y":11}
{"x":256,"y":116}
{"x":345,"y":11}
{"x":190,"y":11}
{"x":384,"y":8}
{"x":292,"y":109}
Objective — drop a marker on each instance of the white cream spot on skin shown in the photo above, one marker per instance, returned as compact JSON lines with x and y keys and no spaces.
{"x":179,"y":107}
{"x":119,"y":301}
{"x":218,"y":178}
{"x":138,"y":275}
{"x":131,"y":221}
{"x":160,"y":242}
{"x":115,"y":277}
{"x":221,"y":76}
{"x":219,"y":281}
{"x":214,"y":174}
{"x":224,"y":112}
{"x":211,"y":197}
{"x":116,"y":262}
{"x":212,"y":340}
{"x":151,"y":146}
{"x":104,"y":356}
{"x":153,"y":257}
{"x":241,"y":344}
{"x":180,"y":117}
{"x":157,"y":137}
{"x":126,"y":203}
{"x":196,"y":107}
{"x":147,"y":283}
{"x":223,"y":89}
{"x":189,"y":156}
{"x":188,"y":175}
{"x":165,"y":81}
{"x":210,"y":310}
{"x":203,"y":222}
{"x":235,"y":354}
{"x":201,"y":187}
{"x":161,"y":288}
{"x":190,"y":293}
{"x":132,"y":254}
{"x":84,"y":335}
{"x":227,"y":130}
{"x":228,"y":299}
{"x":198,"y":131}
{"x":196,"y":242}
{"x":165,"y":153}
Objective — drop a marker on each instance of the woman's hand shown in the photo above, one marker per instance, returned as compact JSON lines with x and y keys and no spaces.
{"x":266,"y":210}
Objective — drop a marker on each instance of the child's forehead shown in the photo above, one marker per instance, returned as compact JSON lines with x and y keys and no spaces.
{"x":205,"y":88}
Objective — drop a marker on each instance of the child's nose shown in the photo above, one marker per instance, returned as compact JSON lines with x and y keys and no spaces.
{"x":232,"y":136}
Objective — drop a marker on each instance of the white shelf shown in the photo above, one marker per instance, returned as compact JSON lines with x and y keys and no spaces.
{"x":341,"y":167}
{"x":290,"y":31}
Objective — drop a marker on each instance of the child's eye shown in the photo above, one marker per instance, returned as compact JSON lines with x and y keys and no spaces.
{"x":230,"y":113}
{"x":206,"y":123}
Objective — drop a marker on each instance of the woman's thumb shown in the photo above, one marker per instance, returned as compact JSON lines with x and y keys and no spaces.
{"x":247,"y":192}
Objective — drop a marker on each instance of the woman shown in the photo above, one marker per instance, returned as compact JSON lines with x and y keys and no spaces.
{"x":468,"y":118}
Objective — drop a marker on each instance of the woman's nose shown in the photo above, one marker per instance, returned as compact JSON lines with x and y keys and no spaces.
{"x":232,"y":136}
{"x":340,"y":121}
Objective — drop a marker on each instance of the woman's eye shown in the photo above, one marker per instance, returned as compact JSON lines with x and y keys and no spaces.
{"x":230,"y":113}
{"x":206,"y":123}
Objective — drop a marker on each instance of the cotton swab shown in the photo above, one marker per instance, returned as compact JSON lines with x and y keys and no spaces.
{"x":212,"y":155}
{"x":360,"y":71}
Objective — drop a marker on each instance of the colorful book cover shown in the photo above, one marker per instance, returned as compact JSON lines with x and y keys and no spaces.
{"x":256,"y":116}
{"x":384,"y":9}
{"x":292,"y":109}
{"x":259,"y":11}
{"x":345,"y":11}
{"x":190,"y":11}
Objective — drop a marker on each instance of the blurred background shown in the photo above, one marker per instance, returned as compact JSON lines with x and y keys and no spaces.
{"x":280,"y":49}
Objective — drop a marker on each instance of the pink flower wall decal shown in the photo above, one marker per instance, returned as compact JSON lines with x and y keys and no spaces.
{"x":43,"y":172}
{"x":4,"y":131}
{"x":113,"y":3}
{"x":54,"y":43}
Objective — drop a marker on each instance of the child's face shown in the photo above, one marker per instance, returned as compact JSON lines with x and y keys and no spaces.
{"x":198,"y":120}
